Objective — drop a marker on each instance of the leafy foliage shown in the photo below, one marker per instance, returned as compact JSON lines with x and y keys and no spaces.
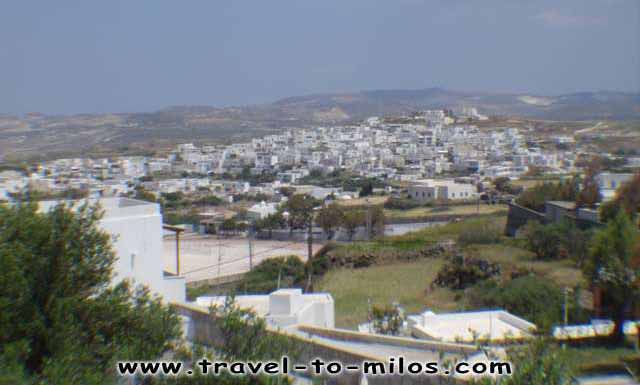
{"x":614,"y":266}
{"x":589,"y":195}
{"x":401,"y":204}
{"x":351,"y":220}
{"x":386,"y":319}
{"x":329,"y":218}
{"x":245,"y":336}
{"x":534,"y":298}
{"x":538,"y":363}
{"x":462,"y":272}
{"x":61,"y":322}
{"x":264,"y":278}
{"x":300,"y":208}
{"x":535,"y":197}
{"x":543,"y":240}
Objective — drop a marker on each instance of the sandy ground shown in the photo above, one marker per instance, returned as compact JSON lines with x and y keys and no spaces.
{"x":206,"y":257}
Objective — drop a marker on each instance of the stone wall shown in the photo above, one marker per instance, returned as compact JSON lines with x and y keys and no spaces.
{"x":518,"y":216}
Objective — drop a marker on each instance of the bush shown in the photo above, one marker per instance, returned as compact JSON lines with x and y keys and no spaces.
{"x":264,"y":277}
{"x":387,"y":320}
{"x":401,"y":204}
{"x":461,"y":273}
{"x":544,"y":240}
{"x":533,"y":298}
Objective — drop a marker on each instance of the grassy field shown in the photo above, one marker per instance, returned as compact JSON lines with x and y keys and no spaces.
{"x":404,"y":283}
{"x":408,"y":283}
{"x":462,"y":210}
{"x":373,"y":200}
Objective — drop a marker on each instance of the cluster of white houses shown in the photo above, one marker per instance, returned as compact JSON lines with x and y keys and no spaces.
{"x":425,"y":146}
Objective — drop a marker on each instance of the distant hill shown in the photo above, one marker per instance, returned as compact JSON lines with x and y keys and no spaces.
{"x":578,"y":106}
{"x":38,"y":134}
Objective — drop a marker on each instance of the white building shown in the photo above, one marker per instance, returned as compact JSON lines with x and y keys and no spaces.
{"x":261,"y":210}
{"x":284,"y":307}
{"x":427,"y":190}
{"x":136,"y":228}
{"x":492,"y":326}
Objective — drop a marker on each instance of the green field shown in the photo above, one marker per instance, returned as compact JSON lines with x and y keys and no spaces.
{"x":462,"y":210}
{"x":408,"y":283}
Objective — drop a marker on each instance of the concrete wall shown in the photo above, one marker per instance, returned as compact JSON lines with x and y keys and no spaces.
{"x":202,"y":329}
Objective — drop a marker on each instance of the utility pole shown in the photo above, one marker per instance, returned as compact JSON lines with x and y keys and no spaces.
{"x":219,"y":256}
{"x":368,"y":219}
{"x":310,"y":240}
{"x":565,"y":309}
{"x":566,"y":305}
{"x":250,"y":250}
{"x":310,"y":250}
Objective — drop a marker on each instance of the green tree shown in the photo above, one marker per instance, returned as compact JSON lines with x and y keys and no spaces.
{"x":366,"y":189}
{"x":61,"y":320}
{"x":535,"y":197}
{"x":270,"y":223}
{"x":386,"y":319}
{"x":245,"y":336}
{"x":300,"y":208}
{"x":544,"y":240}
{"x":351,"y":220}
{"x":538,"y":363}
{"x":613,"y":266}
{"x":590,"y":193}
{"x":329,"y":218}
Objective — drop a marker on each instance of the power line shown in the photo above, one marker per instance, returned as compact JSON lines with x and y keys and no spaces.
{"x":238,"y":259}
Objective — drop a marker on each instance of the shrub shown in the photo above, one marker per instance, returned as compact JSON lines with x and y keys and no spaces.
{"x":290,"y":271}
{"x":387,"y":320}
{"x":401,"y":204}
{"x":544,"y":240}
{"x":534,"y":298}
{"x":461,"y":273}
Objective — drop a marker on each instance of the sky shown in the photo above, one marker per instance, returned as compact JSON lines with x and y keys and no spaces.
{"x":90,"y":56}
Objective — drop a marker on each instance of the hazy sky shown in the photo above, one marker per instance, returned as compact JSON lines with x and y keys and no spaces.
{"x":63,"y":56}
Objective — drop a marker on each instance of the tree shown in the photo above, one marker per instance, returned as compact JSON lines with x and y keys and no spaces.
{"x":367,"y":189}
{"x":503,"y":184}
{"x":300,"y":208}
{"x":386,"y":319}
{"x":590,"y":193}
{"x":329,"y":218}
{"x":61,"y":320}
{"x":376,"y":216}
{"x":543,"y":240}
{"x":229,"y":226}
{"x":537,"y":363}
{"x":535,"y":197}
{"x":351,"y":220}
{"x":270,"y":223}
{"x":613,"y":266}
